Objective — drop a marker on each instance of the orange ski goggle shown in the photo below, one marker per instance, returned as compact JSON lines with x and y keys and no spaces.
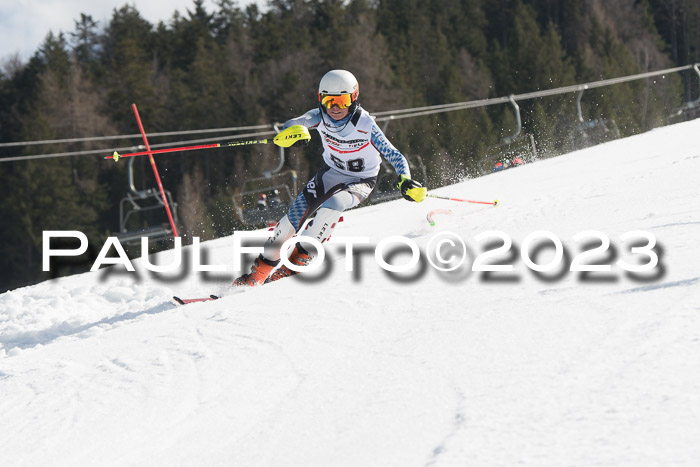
{"x":342,"y":101}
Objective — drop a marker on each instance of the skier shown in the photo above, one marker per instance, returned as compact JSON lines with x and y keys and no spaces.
{"x":352,"y":148}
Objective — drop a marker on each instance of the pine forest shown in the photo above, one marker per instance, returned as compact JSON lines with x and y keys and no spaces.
{"x":248,"y":66}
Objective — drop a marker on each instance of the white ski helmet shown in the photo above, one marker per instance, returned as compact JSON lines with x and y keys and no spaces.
{"x":338,"y":87}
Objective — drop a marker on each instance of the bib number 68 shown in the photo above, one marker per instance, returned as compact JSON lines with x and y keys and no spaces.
{"x":353,"y":165}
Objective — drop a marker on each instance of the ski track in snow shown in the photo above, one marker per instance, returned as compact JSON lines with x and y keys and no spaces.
{"x":362,"y":368}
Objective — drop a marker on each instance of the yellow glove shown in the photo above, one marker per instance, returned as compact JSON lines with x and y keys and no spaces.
{"x":292,"y":136}
{"x":411,"y":189}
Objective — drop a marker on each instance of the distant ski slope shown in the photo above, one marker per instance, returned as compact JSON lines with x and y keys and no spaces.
{"x":366,"y":368}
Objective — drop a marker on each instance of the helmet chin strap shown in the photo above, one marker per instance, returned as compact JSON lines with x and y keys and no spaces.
{"x":349,"y":116}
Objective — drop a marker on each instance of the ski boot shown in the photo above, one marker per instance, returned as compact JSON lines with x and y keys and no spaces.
{"x":259,"y":272}
{"x":299,"y":257}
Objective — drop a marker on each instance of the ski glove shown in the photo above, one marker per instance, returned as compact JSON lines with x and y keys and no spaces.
{"x":411,"y":189}
{"x":292,"y":136}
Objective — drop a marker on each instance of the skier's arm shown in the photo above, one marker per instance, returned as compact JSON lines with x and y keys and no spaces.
{"x":390,"y":153}
{"x":410,"y":189}
{"x":310,"y":119}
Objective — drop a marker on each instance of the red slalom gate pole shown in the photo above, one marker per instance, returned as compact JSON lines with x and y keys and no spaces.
{"x":155,"y":171}
{"x":492,"y":203}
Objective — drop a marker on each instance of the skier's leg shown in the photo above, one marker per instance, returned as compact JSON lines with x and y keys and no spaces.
{"x":270,"y":258}
{"x":284,"y":230}
{"x":317,"y":191}
{"x":320,"y":228}
{"x":326,"y":193}
{"x":328,"y":215}
{"x":303,"y":207}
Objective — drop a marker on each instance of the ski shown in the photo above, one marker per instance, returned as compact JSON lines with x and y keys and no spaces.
{"x":186,"y":301}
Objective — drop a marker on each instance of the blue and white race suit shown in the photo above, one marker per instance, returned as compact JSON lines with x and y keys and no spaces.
{"x":352,"y":150}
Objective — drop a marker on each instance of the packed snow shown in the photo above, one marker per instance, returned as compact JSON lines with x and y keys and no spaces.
{"x":371,"y":368}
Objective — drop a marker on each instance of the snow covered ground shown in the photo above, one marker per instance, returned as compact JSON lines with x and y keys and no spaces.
{"x":367,"y":368}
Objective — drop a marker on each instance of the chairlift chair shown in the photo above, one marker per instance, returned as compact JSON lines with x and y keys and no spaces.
{"x":592,"y":132}
{"x":137,"y":214}
{"x":245,"y":203}
{"x":518,"y":145}
{"x":279,"y":198}
{"x":689,"y":110}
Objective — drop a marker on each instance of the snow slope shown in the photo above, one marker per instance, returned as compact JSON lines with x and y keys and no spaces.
{"x":366,"y":368}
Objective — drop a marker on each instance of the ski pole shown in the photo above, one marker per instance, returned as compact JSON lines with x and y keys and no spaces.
{"x":116,"y":156}
{"x":493,"y":203}
{"x":286,"y":138}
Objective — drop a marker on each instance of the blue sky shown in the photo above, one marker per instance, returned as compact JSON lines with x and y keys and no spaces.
{"x":25,"y":23}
